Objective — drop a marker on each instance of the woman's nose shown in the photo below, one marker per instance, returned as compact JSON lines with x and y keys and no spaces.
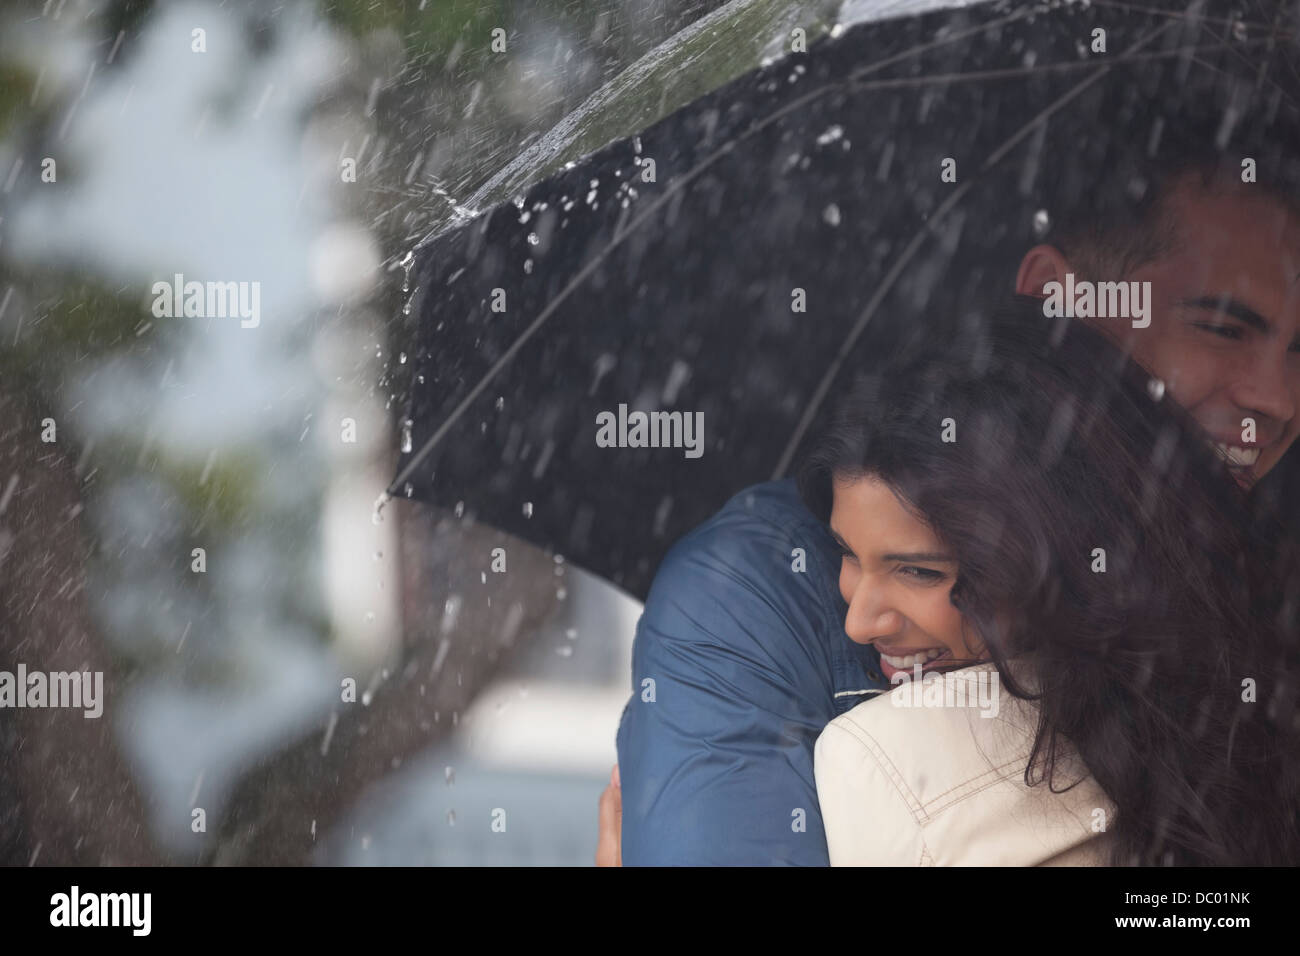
{"x":868,"y":621}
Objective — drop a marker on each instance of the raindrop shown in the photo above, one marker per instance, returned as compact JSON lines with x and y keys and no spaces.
{"x":451,"y":818}
{"x":564,"y":650}
{"x":831,"y":135}
{"x":832,"y":214}
{"x":450,"y":613}
{"x":1156,"y":389}
{"x":501,"y":402}
{"x":407,"y":262}
{"x":406,"y":436}
{"x":401,"y":358}
{"x":532,"y":239}
{"x":1041,"y":223}
{"x":450,"y":775}
{"x":370,"y":616}
{"x":528,"y":509}
{"x":408,"y":489}
{"x":459,"y":510}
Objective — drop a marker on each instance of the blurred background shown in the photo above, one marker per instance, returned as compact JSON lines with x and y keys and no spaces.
{"x":203,"y":522}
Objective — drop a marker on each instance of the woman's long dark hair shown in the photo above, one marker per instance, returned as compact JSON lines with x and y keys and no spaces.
{"x":1147,"y":668}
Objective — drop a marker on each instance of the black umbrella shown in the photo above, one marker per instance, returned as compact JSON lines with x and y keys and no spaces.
{"x":802,"y":223}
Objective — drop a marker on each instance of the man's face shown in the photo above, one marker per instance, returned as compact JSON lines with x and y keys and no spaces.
{"x":1224,"y":335}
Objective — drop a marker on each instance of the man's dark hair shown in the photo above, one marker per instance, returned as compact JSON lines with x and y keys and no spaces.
{"x":1109,"y":208}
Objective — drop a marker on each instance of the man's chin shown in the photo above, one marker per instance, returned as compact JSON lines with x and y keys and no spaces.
{"x":1244,"y":477}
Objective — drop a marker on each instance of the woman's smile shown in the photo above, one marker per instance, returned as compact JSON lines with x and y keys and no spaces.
{"x":896,"y":576}
{"x":932,"y":658}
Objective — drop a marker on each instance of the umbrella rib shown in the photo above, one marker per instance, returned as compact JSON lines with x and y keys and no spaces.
{"x":1261,"y":73}
{"x":903,"y":82}
{"x":1171,"y":14}
{"x":1274,"y":31}
{"x":673,"y":188}
{"x":915,"y":243}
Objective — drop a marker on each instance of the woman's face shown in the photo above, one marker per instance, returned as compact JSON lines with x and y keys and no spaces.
{"x":896,"y":576}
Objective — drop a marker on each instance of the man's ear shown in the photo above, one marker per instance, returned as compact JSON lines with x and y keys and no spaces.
{"x":1041,"y":265}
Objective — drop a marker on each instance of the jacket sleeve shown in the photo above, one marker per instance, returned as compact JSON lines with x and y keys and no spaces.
{"x":731,"y":686}
{"x":866,"y":813}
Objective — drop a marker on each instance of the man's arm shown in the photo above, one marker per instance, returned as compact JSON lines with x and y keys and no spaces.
{"x":732,"y":684}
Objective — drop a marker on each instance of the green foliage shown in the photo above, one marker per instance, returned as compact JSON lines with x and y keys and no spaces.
{"x":438,"y":26}
{"x":16,"y":87}
{"x":68,"y":317}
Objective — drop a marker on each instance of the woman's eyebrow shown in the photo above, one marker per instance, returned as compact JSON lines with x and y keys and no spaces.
{"x":936,"y":556}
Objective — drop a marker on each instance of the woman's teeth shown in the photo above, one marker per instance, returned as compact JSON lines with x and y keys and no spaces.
{"x":908,"y":660}
{"x":1235,"y":455}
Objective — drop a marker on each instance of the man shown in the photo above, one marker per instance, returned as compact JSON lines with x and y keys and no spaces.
{"x":739,"y":663}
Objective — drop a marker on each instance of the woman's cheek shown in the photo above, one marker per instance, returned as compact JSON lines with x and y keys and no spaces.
{"x":949,"y":621}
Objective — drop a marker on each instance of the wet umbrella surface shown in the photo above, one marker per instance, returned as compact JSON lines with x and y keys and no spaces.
{"x":607,"y":359}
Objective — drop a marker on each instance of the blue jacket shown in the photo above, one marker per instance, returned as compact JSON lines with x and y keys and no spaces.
{"x":740,"y":660}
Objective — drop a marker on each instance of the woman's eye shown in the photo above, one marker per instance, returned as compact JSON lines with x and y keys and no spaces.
{"x":848,"y":555}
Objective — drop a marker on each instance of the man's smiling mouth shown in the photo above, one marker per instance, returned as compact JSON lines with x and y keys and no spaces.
{"x":1236,"y":456}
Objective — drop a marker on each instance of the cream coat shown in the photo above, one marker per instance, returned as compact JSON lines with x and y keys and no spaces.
{"x":944,"y":786}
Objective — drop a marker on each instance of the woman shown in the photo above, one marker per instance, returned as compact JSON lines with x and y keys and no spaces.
{"x":1025,"y":513}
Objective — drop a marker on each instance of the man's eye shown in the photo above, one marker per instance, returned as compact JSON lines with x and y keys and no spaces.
{"x":1232,"y":332}
{"x":922,"y":575}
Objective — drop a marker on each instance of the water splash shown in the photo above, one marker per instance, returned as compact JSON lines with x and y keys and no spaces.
{"x":377,"y":515}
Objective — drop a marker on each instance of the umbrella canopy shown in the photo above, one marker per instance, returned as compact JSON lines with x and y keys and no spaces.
{"x":736,"y":262}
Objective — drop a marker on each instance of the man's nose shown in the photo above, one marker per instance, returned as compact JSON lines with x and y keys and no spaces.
{"x":1268,"y":388}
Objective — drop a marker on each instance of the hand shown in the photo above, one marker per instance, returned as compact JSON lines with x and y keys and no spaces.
{"x":609,"y":847}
